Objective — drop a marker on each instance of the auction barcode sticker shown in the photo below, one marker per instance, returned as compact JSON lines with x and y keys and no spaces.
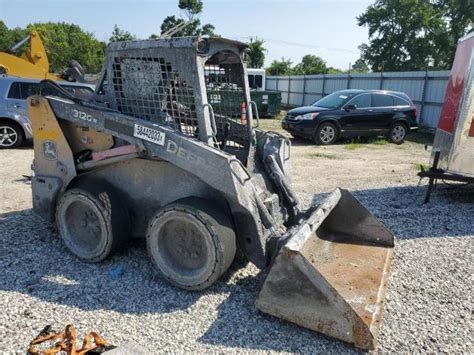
{"x":149,"y":134}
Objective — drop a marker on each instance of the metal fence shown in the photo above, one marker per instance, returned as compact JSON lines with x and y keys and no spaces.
{"x":425,"y":88}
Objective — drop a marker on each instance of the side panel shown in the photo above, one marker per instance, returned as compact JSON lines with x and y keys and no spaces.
{"x":53,"y":163}
{"x":461,"y":160}
{"x":458,"y":81}
{"x":147,"y":185}
{"x":456,"y":84}
{"x":83,"y":138}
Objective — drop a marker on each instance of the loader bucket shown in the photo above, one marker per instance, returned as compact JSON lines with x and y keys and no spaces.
{"x":331,"y":273}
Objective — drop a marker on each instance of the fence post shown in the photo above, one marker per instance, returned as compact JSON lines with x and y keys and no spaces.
{"x":289,"y":91}
{"x":304,"y":90}
{"x":381,"y":80}
{"x":349,"y":79}
{"x":423,"y":96}
{"x":324,"y":84}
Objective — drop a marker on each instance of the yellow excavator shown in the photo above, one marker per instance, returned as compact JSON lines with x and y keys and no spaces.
{"x":33,"y":63}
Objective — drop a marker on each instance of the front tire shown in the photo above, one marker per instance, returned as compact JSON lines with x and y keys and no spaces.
{"x":398,"y":133}
{"x":92,"y":223}
{"x":326,"y":134}
{"x":191,"y":243}
{"x":11,"y":135}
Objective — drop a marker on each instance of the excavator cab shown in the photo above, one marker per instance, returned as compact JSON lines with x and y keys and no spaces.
{"x":167,"y":149}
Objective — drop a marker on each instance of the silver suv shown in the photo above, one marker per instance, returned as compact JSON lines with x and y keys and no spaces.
{"x":15,"y":125}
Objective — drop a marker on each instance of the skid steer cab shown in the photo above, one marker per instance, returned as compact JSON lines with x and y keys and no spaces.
{"x":168,"y":149}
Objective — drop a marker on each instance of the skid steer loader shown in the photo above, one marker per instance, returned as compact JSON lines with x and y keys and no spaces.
{"x":158,"y":153}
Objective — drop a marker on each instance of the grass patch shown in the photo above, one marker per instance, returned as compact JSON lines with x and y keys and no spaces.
{"x":378,"y":141}
{"x":365,"y":141}
{"x":353,"y":146}
{"x":270,"y":124}
{"x":421,"y":166}
{"x":281,"y":115}
{"x":323,"y":155}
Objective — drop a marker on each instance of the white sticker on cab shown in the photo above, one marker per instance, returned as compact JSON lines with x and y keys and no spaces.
{"x":149,"y":134}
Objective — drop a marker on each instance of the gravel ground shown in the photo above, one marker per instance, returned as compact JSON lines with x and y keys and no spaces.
{"x":428,"y":303}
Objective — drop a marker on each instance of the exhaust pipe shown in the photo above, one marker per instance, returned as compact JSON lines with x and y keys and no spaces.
{"x":331,"y":274}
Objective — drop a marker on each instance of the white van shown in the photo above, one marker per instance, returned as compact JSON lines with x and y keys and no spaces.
{"x":256,"y":79}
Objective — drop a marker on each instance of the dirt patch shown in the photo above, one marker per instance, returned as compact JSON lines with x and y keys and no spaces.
{"x":323,"y":168}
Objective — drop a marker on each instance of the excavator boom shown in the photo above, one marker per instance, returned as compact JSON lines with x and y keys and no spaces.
{"x":32,"y":63}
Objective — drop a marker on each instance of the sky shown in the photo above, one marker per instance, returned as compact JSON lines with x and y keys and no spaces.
{"x":290,"y":28}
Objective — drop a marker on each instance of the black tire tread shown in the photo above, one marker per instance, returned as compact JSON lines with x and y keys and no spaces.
{"x":218,"y":223}
{"x":114,"y":212}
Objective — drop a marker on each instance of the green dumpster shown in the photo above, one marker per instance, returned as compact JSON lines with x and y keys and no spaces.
{"x":268,"y":102}
{"x":227,"y":102}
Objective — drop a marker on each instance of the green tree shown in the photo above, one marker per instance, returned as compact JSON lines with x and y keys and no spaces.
{"x":255,"y":55}
{"x":280,"y":67}
{"x":191,"y":9}
{"x":405,"y":34}
{"x":332,"y":70}
{"x":360,"y":66}
{"x":459,"y":15}
{"x":121,"y":35}
{"x":62,"y":42}
{"x":310,"y":64}
{"x":9,"y":37}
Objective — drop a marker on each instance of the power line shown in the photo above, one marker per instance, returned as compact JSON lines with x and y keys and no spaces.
{"x":296,"y":44}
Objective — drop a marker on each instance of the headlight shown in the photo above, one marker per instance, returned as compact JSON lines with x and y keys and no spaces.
{"x":307,"y":116}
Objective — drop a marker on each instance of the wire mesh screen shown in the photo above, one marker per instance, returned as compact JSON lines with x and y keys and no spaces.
{"x":226,"y":94}
{"x":150,"y":88}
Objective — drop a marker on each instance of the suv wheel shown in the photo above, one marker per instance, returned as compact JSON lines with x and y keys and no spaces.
{"x":11,"y":135}
{"x":326,"y":134}
{"x":398,"y":133}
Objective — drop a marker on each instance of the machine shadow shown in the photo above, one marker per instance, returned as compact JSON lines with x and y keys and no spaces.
{"x":35,"y":262}
{"x":239,"y":324}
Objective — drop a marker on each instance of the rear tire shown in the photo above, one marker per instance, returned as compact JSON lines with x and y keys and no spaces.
{"x":398,"y":132}
{"x":326,"y":134}
{"x":93,"y":223}
{"x":11,"y":135}
{"x":191,"y":242}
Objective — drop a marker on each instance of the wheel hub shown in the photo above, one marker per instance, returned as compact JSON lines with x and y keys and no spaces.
{"x":8,"y":136}
{"x":327,"y":134}
{"x":187,"y":243}
{"x":398,"y":133}
{"x":183,"y":244}
{"x":83,"y":224}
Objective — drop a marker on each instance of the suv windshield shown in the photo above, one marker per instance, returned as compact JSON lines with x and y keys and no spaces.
{"x":334,"y":100}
